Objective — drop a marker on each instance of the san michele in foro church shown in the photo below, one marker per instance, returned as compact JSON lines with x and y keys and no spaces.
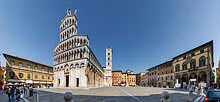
{"x":75,"y":65}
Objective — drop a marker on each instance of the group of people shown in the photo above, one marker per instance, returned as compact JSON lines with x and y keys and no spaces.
{"x":3,"y":89}
{"x":14,"y":92}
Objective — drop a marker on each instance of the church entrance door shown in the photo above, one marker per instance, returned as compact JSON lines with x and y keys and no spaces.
{"x":77,"y":82}
{"x":67,"y":81}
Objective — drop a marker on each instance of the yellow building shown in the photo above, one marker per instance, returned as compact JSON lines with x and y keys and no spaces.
{"x":128,"y":78}
{"x":194,"y":67}
{"x":2,"y":76}
{"x":123,"y":79}
{"x":131,"y":79}
{"x":23,"y":71}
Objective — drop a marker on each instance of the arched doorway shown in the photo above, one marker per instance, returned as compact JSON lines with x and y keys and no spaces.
{"x":177,"y":81}
{"x":184,"y":80}
{"x":202,"y":77}
{"x":193,"y":79}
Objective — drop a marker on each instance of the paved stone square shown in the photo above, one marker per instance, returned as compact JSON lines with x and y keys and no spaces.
{"x":113,"y":94}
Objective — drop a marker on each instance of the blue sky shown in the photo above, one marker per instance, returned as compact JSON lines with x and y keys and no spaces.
{"x":143,"y":33}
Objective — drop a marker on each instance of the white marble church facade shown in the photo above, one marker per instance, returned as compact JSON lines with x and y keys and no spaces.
{"x":75,"y":65}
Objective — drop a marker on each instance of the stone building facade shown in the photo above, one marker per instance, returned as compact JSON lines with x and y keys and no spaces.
{"x":116,"y":77}
{"x":139,"y":77}
{"x":23,"y":71}
{"x":153,"y":76}
{"x":131,"y":79}
{"x":165,"y":75}
{"x":75,"y":65}
{"x":194,"y":67}
{"x":144,"y":80}
{"x":124,"y":79}
{"x":2,"y":76}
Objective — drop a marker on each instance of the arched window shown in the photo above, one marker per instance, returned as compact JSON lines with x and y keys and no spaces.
{"x":184,"y":66}
{"x":177,"y":67}
{"x":81,"y":41}
{"x":202,"y":61}
{"x":80,"y":55}
{"x":67,"y":34}
{"x":193,"y":64}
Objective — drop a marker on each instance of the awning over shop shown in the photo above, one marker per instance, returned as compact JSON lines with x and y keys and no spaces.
{"x":43,"y":82}
{"x":49,"y":82}
{"x":19,"y":81}
{"x":36,"y":82}
{"x":29,"y":81}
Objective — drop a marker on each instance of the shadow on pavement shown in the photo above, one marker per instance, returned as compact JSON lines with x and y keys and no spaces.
{"x":46,"y":96}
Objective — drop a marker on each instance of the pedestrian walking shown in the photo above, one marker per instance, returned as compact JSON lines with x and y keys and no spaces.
{"x":17,"y":93}
{"x":13,"y":93}
{"x":24,"y":91}
{"x":8,"y":91}
{"x":5,"y":88}
{"x":22,"y":95}
{"x":27,"y":86}
{"x":1,"y":88}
